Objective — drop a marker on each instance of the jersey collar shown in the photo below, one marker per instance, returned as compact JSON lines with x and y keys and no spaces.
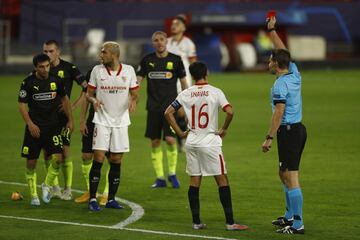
{"x":203,"y":83}
{"x":118,"y":72}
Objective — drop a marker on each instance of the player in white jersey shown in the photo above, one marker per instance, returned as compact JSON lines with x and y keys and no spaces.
{"x":113,"y":83}
{"x":182,"y":46}
{"x":204,"y":156}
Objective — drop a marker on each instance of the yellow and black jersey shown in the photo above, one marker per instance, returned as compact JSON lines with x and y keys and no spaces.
{"x":68,"y":73}
{"x":41,"y":97}
{"x":162,"y":75}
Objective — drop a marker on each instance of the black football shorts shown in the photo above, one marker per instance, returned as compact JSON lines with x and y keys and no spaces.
{"x":291,"y":141}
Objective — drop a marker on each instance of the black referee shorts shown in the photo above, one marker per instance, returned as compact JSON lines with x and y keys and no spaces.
{"x":156,"y":123}
{"x":50,"y":140}
{"x":87,"y":141}
{"x":291,"y":142}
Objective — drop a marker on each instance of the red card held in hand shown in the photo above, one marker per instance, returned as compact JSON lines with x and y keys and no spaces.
{"x":271,"y":13}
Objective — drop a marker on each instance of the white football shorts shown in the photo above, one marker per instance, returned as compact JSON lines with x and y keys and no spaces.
{"x":113,"y":139}
{"x":205,"y":161}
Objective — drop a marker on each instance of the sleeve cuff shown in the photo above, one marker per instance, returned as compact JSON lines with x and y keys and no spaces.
{"x":91,"y":86}
{"x":279,"y":101}
{"x":225,"y":106}
{"x":133,"y":88}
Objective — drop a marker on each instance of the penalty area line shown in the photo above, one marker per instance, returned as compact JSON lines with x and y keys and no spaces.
{"x":115,"y":228}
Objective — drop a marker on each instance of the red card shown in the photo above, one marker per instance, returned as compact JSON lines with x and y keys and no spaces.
{"x":271,"y":13}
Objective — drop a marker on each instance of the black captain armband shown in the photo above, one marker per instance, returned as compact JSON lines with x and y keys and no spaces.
{"x":175,"y":104}
{"x":271,"y":29}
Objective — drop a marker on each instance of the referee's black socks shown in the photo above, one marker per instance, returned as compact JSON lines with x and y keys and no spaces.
{"x":225,"y":198}
{"x":94,"y":178}
{"x":114,"y":179}
{"x":193,"y":195}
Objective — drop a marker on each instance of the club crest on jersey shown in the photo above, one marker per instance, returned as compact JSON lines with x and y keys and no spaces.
{"x":170,"y":65}
{"x":52,"y":86}
{"x":61,"y":74}
{"x":123,"y":78}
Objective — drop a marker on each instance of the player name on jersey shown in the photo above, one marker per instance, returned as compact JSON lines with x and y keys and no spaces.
{"x":200,"y":94}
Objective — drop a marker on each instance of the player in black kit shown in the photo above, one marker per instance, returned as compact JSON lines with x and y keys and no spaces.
{"x":39,"y":92}
{"x":162,"y":70}
{"x":68,"y":73}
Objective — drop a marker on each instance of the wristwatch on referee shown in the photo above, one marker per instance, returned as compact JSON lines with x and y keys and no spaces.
{"x":269,"y":137}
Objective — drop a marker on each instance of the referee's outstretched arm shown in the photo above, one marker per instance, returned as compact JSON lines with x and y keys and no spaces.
{"x":278,"y":44}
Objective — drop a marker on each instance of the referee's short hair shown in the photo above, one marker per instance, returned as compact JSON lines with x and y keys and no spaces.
{"x":282,"y":57}
{"x":198,"y":70}
{"x":42,"y":57}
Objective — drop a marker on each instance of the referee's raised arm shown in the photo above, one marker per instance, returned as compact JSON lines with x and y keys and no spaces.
{"x":275,"y":39}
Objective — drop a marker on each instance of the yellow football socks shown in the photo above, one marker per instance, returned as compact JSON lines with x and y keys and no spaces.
{"x":31,"y":180}
{"x":86,"y":167}
{"x":157,"y":161}
{"x":53,"y":172}
{"x":67,"y":168}
{"x":172,"y":155}
{"x":47,"y":164}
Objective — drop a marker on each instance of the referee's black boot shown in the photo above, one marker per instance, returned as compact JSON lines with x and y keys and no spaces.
{"x":282,"y":222}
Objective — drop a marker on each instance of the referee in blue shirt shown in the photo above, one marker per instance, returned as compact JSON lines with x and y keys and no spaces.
{"x":291,"y":133}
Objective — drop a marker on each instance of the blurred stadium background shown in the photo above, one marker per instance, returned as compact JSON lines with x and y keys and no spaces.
{"x":228,"y":34}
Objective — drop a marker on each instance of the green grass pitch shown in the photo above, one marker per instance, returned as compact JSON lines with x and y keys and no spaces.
{"x":330,"y":169}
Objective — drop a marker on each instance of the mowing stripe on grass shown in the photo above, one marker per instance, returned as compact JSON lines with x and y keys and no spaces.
{"x":137,"y":211}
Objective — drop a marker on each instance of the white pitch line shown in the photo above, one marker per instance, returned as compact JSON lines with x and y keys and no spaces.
{"x":116,"y":228}
{"x":137,"y":211}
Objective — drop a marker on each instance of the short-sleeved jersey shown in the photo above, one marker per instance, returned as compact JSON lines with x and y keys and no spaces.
{"x":185,"y":48}
{"x":112,"y":88}
{"x":287,"y":89}
{"x":162,"y":75}
{"x":68,"y":73}
{"x":201,"y":103}
{"x":40,"y":96}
